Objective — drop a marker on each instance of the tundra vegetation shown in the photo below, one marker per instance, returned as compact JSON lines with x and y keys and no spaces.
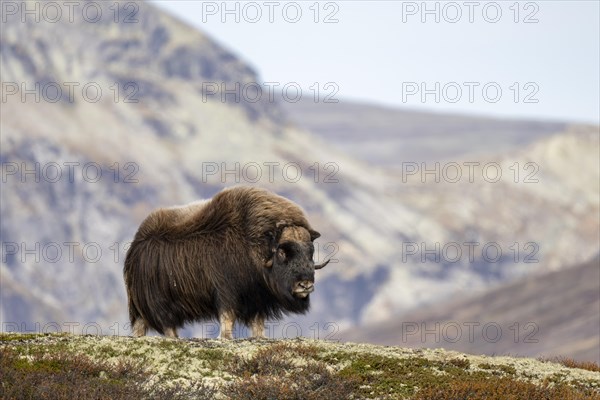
{"x":64,"y":366}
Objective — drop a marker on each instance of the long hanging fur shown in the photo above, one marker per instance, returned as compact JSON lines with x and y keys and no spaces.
{"x":188,"y":263}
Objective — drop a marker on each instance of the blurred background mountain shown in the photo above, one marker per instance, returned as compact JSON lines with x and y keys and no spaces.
{"x":158,"y":135}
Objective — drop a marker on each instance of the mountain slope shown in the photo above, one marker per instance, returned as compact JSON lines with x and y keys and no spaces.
{"x":545,"y":314}
{"x":387,"y":136}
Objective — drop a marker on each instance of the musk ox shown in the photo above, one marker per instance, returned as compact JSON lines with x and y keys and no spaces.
{"x":245,"y":255}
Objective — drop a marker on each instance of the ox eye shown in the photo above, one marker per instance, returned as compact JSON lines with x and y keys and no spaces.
{"x":286,"y":250}
{"x":281,"y":254}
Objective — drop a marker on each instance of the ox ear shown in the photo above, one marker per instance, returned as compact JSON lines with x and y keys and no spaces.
{"x":271,"y":246}
{"x":314,"y":234}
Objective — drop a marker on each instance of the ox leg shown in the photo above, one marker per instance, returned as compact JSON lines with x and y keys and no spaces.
{"x":140,"y":327}
{"x":226,"y":320}
{"x":171,"y":332}
{"x":258,"y":327}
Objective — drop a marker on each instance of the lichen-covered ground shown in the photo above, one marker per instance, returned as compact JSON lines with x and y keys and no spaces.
{"x":55,"y":365}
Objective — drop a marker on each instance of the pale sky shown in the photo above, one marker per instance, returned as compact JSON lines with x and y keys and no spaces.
{"x":476,"y":59}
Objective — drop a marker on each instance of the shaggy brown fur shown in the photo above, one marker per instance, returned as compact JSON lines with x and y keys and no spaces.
{"x":244,"y":255}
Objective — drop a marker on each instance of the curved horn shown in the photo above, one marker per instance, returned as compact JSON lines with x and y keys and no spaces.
{"x":319,"y":266}
{"x":269,"y":262}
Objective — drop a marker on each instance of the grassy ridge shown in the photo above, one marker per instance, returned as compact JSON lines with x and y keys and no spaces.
{"x":61,"y":366}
